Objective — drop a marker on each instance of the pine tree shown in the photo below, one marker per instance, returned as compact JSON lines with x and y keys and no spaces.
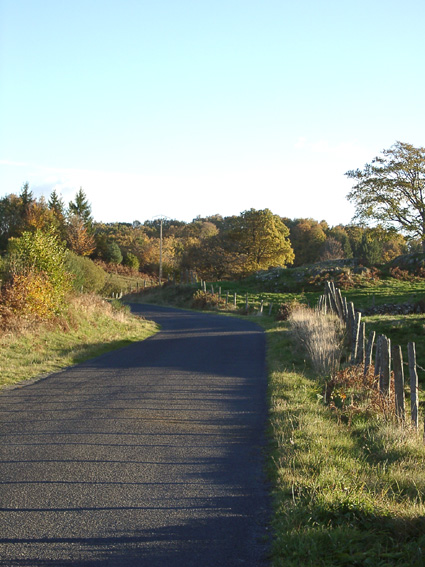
{"x":82,"y":209}
{"x":56,"y":204}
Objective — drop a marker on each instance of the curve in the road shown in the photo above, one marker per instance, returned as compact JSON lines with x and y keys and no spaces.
{"x":150,"y":455}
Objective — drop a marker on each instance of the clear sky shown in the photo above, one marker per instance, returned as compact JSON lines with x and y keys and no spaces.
{"x":192,"y":107}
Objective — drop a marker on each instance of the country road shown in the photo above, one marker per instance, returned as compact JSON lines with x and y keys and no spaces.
{"x":151,"y":455}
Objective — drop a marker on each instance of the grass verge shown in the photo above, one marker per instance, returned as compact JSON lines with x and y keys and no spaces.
{"x":90,"y":327}
{"x":344,"y":494}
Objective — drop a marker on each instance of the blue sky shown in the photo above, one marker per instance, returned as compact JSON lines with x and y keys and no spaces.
{"x":183,"y":108}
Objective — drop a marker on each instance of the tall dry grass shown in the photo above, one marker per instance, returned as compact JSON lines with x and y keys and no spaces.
{"x":320,"y":335}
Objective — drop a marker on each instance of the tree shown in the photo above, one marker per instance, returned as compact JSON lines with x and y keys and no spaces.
{"x":79,"y":239}
{"x":307,"y":237}
{"x":331,"y":250}
{"x":113,"y":253}
{"x":391,"y":189}
{"x":82,"y":209}
{"x":262,"y":239}
{"x":10,"y":218}
{"x":370,"y":252}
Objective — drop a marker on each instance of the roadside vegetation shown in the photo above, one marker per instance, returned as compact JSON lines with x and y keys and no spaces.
{"x":348,"y":479}
{"x":89,"y":327}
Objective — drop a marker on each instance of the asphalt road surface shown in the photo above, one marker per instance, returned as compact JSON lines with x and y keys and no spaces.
{"x":147,"y":456}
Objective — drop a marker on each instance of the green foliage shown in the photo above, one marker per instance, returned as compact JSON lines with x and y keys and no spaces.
{"x":81,"y":208}
{"x":262,"y":238}
{"x":37,"y":279}
{"x":132,"y":261}
{"x":113,"y":253}
{"x":307,"y":237}
{"x":86,"y":274}
{"x":391,"y":189}
{"x":370,"y":251}
{"x":42,"y":252}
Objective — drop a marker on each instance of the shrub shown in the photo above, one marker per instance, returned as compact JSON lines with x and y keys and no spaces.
{"x":204,"y":300}
{"x":39,"y":251}
{"x":86,"y":274}
{"x":399,"y":274}
{"x":37,"y":279}
{"x":286,"y":309}
{"x":30,"y":294}
{"x":132,"y":261}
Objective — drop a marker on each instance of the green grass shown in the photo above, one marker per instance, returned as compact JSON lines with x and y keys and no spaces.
{"x":91,"y":327}
{"x":386,"y":291}
{"x":343,"y":494}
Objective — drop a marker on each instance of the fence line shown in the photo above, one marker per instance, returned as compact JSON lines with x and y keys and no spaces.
{"x":388,"y":358}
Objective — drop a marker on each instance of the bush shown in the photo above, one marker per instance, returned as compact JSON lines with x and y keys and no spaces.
{"x":132,"y":261}
{"x":37,"y":279}
{"x":30,"y":294}
{"x":86,"y":274}
{"x":41,"y":252}
{"x":205,"y":300}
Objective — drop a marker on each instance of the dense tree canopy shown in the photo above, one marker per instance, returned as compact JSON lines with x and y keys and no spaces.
{"x":215,"y":247}
{"x":391,"y":189}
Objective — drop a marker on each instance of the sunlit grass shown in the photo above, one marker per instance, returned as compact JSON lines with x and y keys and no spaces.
{"x":89,"y":328}
{"x":343,"y":494}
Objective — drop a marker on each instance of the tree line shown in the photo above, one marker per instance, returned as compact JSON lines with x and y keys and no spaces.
{"x":216,"y":247}
{"x":389,"y":191}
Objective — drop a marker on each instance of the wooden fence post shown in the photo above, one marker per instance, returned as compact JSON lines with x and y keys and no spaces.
{"x":369,"y":350}
{"x":260,"y":312}
{"x":355,"y":337}
{"x":398,"y":382}
{"x":246,"y":302}
{"x":385,"y":369}
{"x":234,"y":299}
{"x":360,"y":358}
{"x":378,"y":360}
{"x":411,"y":352}
{"x":350,"y":323}
{"x":270,"y":309}
{"x":227,"y":298}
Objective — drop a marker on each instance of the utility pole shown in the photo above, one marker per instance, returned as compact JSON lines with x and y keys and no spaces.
{"x":160,"y":252}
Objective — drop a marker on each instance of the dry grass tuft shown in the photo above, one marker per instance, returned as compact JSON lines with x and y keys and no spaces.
{"x":321,"y":336}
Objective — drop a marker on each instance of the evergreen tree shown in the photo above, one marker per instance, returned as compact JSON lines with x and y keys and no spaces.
{"x":82,"y":209}
{"x":56,"y":204}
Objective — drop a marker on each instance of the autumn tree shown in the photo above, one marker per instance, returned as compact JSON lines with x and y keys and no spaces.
{"x":307,"y":237}
{"x":391,"y":190}
{"x":331,"y":250}
{"x":79,"y":239}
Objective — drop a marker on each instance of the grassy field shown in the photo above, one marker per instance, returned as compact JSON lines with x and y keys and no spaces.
{"x":91,"y":327}
{"x":345,"y":491}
